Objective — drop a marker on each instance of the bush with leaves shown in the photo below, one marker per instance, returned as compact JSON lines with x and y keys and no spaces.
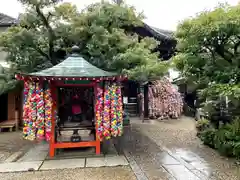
{"x":202,"y":124}
{"x":208,"y":136}
{"x":226,"y":139}
{"x":209,"y":57}
{"x":222,"y":103}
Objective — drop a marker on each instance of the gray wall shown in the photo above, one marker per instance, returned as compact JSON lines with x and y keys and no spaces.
{"x":3,"y":55}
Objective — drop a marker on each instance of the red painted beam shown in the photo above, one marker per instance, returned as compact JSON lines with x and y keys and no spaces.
{"x":75,"y":145}
{"x":61,"y":84}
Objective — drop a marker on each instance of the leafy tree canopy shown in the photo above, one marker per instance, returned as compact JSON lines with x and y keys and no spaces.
{"x":209,"y":56}
{"x":49,"y":28}
{"x":209,"y":47}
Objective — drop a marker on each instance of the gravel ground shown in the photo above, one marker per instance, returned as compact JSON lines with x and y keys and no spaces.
{"x":107,"y":173}
{"x":180,"y":135}
{"x":11,"y":142}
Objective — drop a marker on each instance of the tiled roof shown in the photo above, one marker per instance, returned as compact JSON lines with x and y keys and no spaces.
{"x":167,"y":33}
{"x":160,"y":33}
{"x":6,"y":20}
{"x":74,"y":66}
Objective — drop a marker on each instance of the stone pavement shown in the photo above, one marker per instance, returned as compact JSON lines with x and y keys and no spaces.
{"x":12,"y":145}
{"x":32,"y":163}
{"x":157,"y":150}
{"x":36,"y":159}
{"x":166,"y":150}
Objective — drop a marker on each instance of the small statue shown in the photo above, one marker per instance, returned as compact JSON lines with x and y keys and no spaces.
{"x":75,"y":137}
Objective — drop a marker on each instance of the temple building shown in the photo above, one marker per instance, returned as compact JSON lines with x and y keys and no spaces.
{"x":10,"y":100}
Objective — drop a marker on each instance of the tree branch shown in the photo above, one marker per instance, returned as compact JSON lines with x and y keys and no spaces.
{"x":218,"y":45}
{"x":236,"y":47}
{"x":51,"y":34}
{"x":211,"y":52}
{"x":41,"y":52}
{"x":49,"y":15}
{"x":221,"y":52}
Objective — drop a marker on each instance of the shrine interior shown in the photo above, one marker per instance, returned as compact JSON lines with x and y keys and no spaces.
{"x":75,"y":114}
{"x":4,"y":107}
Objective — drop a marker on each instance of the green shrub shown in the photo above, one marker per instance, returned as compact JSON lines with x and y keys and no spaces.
{"x":208,"y":137}
{"x":202,"y":124}
{"x":226,"y":148}
{"x":236,"y":149}
{"x":226,"y":139}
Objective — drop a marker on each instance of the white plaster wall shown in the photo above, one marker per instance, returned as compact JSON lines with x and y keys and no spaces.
{"x":3,"y":54}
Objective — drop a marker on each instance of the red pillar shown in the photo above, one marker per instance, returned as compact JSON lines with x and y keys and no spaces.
{"x":52,"y":140}
{"x":98,"y":142}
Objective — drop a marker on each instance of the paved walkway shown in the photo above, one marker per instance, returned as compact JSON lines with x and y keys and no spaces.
{"x":160,"y":150}
{"x":34,"y":164}
{"x":169,"y":150}
{"x":36,"y":158}
{"x":12,"y":144}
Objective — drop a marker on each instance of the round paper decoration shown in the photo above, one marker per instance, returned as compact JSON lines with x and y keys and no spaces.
{"x":164,"y":100}
{"x":106,"y":112}
{"x":114,"y":101}
{"x":48,"y":113}
{"x":29,"y":112}
{"x":26,"y":108}
{"x":40,"y":123}
{"x":119,"y":110}
{"x":99,"y":112}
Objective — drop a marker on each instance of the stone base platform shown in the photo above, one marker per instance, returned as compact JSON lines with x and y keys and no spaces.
{"x":37,"y":159}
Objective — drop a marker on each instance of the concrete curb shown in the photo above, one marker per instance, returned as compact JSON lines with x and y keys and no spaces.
{"x":140,"y":175}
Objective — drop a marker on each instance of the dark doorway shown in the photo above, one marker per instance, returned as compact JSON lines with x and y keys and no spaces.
{"x":4,"y":107}
{"x":130,"y":89}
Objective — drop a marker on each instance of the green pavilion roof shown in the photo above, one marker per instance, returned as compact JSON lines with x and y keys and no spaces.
{"x":74,"y":66}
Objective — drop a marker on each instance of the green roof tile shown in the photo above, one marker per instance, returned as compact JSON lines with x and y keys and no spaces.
{"x":74,"y":66}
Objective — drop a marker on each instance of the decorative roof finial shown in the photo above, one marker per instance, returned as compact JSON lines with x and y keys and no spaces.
{"x":75,"y":49}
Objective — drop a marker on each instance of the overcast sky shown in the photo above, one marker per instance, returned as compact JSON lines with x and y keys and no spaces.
{"x":164,"y":14}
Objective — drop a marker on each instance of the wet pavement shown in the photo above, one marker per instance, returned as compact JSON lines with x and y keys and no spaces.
{"x":12,"y":143}
{"x":31,"y":156}
{"x":169,"y":150}
{"x":158,"y":150}
{"x":147,"y":155}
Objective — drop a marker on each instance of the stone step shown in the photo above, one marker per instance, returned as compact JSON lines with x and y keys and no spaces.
{"x":14,"y":157}
{"x":63,"y":164}
{"x":37,"y":153}
{"x":106,"y":161}
{"x":20,"y":166}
